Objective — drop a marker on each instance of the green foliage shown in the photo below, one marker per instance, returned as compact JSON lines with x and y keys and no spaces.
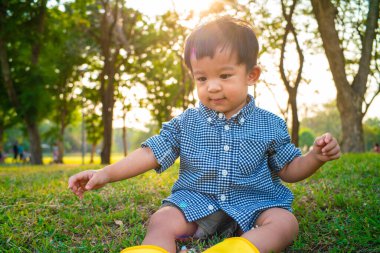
{"x":371,"y":133}
{"x":23,"y":34}
{"x":306,"y":138}
{"x":337,"y":209}
{"x":8,"y":115}
{"x":66,"y":46}
{"x":94,"y":128}
{"x":162,"y":70}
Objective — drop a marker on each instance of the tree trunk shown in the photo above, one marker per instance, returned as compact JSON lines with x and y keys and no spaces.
{"x":60,"y":151}
{"x":93,"y":150}
{"x":350,"y":98}
{"x":290,"y":86}
{"x":295,"y":120}
{"x":352,"y":129}
{"x":125,"y":143}
{"x":5,"y":70}
{"x":35,"y":143}
{"x":110,"y":52}
{"x":107,"y":140}
{"x":108,"y":102}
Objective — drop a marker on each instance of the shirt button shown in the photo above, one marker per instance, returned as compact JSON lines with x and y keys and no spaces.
{"x":222,"y":197}
{"x":242,"y":120}
{"x":210,"y":207}
{"x":226,"y":148}
{"x":220,"y":115}
{"x":224,"y":173}
{"x":209,"y":119}
{"x":226,"y":127}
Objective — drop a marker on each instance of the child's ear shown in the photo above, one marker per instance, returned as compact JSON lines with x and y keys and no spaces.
{"x":254,"y":75}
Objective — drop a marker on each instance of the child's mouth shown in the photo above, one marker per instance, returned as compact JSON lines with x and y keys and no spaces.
{"x":217,"y":100}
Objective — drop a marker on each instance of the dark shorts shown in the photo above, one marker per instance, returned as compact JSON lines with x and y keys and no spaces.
{"x":216,"y":223}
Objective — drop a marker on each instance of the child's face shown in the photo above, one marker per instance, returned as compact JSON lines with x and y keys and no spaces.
{"x":222,"y":83}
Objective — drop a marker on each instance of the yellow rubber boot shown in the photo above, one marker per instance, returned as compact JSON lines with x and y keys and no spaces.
{"x":233,"y":245}
{"x":144,"y":249}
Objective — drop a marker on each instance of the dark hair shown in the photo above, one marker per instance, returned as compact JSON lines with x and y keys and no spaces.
{"x":225,"y":32}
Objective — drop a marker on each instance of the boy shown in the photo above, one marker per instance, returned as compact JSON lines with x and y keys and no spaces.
{"x":233,"y":154}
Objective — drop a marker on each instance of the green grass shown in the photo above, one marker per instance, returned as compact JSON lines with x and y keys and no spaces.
{"x":338,"y":209}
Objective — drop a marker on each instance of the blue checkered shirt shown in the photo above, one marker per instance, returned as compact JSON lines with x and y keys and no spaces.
{"x":228,"y":165}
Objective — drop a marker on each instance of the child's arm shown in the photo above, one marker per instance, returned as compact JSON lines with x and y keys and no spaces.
{"x":138,"y":162}
{"x":325,"y":148}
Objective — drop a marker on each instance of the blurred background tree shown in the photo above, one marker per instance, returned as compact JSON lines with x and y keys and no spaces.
{"x":24,"y":75}
{"x":84,"y":65}
{"x":349,"y":30}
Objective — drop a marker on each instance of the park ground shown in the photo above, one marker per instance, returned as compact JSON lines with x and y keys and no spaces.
{"x":337,"y":208}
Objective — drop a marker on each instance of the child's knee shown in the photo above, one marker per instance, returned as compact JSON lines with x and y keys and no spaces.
{"x":292,"y":227}
{"x":282,"y":220}
{"x":158,"y":219}
{"x":295,"y":224}
{"x":171,"y":220}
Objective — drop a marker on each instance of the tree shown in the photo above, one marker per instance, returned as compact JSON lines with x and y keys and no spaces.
{"x":291,"y":85}
{"x":163,"y":72}
{"x":68,"y":45}
{"x":21,"y":46}
{"x":358,"y":66}
{"x":113,"y":29}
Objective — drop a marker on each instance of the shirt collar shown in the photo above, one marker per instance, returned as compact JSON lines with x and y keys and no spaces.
{"x":213,"y":116}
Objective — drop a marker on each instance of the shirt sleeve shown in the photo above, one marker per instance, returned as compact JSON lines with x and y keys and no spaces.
{"x":165,"y":146}
{"x":282,"y":151}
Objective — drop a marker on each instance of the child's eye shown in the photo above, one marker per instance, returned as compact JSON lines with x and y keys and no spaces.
{"x":201,"y":79}
{"x":225,"y":76}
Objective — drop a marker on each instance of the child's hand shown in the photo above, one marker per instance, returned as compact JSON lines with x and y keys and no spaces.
{"x":87,"y":180}
{"x":326,"y":148}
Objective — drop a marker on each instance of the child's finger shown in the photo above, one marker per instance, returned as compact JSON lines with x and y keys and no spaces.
{"x":319,"y":141}
{"x":71,"y":183}
{"x":73,"y":180}
{"x":80,"y":192}
{"x":78,"y":179}
{"x":91,"y":184}
{"x":327,"y":137}
{"x":329,"y":146}
{"x":74,"y":188}
{"x":82,"y":184}
{"x":333,"y":156}
{"x":333,"y":152}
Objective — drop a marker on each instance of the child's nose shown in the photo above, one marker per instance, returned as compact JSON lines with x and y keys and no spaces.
{"x":214,"y":86}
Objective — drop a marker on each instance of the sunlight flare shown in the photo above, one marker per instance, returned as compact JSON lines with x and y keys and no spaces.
{"x":154,"y":7}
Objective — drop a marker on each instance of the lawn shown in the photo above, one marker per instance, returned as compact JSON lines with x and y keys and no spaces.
{"x":338,"y":209}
